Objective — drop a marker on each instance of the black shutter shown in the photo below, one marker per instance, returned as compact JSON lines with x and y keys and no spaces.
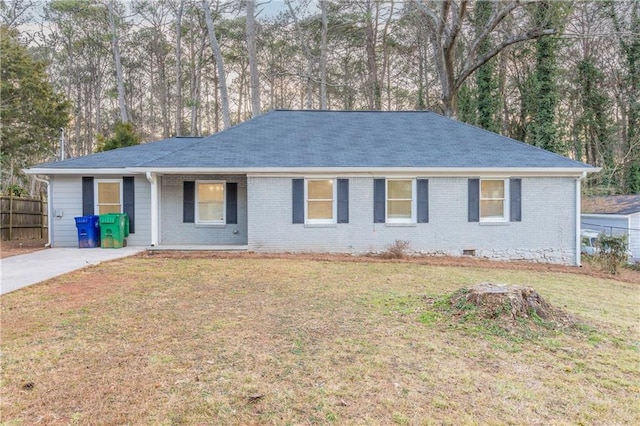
{"x":87,"y":196}
{"x":379,"y":200}
{"x":474,"y":200}
{"x":128,"y":201}
{"x":232,"y":203}
{"x":298,"y":200}
{"x":343,"y":200}
{"x":515,"y":200}
{"x":188,"y":201}
{"x":423,"y":200}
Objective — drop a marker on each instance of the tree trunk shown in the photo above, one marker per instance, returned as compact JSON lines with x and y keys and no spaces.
{"x":222,"y":80}
{"x":323,"y":55}
{"x":375,"y":102}
{"x":178,"y":126}
{"x":253,"y":58}
{"x":386,"y":61}
{"x":308,"y":55}
{"x":124,"y":117}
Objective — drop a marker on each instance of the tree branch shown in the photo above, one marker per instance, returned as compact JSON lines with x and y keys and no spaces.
{"x":470,"y":67}
{"x":494,"y":20}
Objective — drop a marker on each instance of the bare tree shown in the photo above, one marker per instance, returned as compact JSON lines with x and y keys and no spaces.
{"x":15,"y":12}
{"x":179,"y":68}
{"x":124,"y":117}
{"x":222,"y":80}
{"x":253,"y":60}
{"x":307,"y":52}
{"x":323,"y":55}
{"x":445,"y":19}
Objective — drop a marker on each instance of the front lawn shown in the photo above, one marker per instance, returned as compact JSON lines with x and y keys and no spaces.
{"x":246,"y":339}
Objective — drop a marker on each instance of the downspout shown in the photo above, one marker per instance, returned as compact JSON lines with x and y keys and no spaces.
{"x":578,"y":211}
{"x":49,"y":209}
{"x":153,"y":180}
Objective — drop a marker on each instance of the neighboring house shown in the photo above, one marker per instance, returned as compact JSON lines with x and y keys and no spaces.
{"x":614,"y":215}
{"x":330,"y":181}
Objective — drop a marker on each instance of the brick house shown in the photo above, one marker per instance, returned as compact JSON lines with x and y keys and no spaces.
{"x":332,"y":181}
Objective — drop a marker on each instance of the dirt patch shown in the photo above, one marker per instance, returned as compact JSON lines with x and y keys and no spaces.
{"x":625,"y":275}
{"x":16,"y":247}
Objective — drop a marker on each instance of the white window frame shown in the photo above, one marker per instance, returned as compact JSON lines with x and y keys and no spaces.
{"x":224,"y":203}
{"x":505,"y":205}
{"x":414,"y":201}
{"x":97,"y":203}
{"x":334,"y":201}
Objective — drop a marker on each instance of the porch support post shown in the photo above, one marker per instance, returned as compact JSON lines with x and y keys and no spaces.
{"x":153,"y":180}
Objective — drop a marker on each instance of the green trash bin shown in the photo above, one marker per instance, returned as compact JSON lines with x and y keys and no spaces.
{"x":114,"y":228}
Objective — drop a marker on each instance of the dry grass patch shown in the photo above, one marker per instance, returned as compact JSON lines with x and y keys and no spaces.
{"x":245,"y":340}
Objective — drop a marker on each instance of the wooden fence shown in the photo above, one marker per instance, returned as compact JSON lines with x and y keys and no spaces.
{"x":23,"y":218}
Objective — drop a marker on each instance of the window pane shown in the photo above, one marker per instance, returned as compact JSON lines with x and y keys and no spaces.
{"x":493,"y":208}
{"x":492,"y":189}
{"x":210,"y":211}
{"x":109,"y":192}
{"x":399,"y":189}
{"x":399,"y":209}
{"x":320,"y":210}
{"x":320,"y":189}
{"x":112,"y":208}
{"x":210,"y":192}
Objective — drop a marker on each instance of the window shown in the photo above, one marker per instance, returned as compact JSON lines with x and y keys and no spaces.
{"x":210,"y":202}
{"x":493,"y":201}
{"x":320,"y":201}
{"x":401,"y":201}
{"x":109,"y":199}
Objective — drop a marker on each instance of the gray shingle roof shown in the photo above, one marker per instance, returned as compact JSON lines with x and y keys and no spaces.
{"x":349,"y":139}
{"x":612,"y":204}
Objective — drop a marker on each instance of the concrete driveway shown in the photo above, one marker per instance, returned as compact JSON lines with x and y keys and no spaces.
{"x":20,"y":271}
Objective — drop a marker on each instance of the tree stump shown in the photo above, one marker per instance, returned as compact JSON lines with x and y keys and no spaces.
{"x":501,"y":300}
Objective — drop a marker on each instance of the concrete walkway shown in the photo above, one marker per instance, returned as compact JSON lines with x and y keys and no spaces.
{"x":20,"y":271}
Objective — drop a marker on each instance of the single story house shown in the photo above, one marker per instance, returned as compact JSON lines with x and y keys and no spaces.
{"x":332,"y":181}
{"x":614,"y":215}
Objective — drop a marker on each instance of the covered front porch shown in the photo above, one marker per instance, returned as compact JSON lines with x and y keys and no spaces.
{"x":198,"y":211}
{"x":197,"y":247}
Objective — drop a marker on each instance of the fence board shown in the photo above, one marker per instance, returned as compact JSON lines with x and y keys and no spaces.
{"x":23,"y":218}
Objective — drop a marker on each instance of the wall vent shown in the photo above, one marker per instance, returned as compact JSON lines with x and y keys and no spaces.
{"x":469,"y":252}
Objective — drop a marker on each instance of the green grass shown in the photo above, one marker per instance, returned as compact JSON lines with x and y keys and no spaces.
{"x":249,"y":340}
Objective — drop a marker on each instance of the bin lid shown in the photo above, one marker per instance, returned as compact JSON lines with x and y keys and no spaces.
{"x":108,"y":218}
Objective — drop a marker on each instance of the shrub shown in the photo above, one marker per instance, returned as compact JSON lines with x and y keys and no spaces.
{"x":612,"y":253}
{"x":124,"y":135}
{"x":397,"y":250}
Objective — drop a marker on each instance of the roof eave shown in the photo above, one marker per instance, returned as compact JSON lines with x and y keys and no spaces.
{"x":608,"y":215}
{"x":366,"y":171}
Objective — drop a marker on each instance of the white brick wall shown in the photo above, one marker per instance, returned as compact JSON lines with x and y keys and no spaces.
{"x":173,"y":231}
{"x":546,"y":233}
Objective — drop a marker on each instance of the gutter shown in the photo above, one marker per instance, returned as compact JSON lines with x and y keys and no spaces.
{"x":346,"y":171}
{"x":49,"y":209}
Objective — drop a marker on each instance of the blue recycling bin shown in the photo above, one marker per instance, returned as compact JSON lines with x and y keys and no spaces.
{"x":88,"y":231}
